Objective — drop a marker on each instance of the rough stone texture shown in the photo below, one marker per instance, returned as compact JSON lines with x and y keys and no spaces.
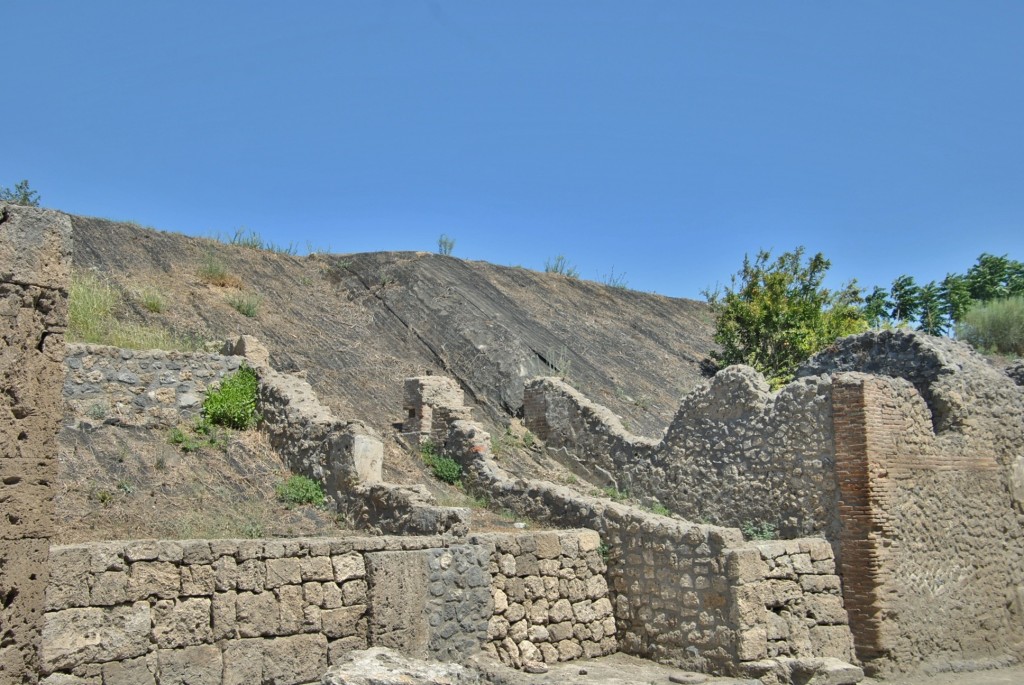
{"x":914,"y":473}
{"x":231,"y":611}
{"x":695,"y":596}
{"x":734,"y":454}
{"x":932,"y":546}
{"x":149,"y":388}
{"x":35,"y":256}
{"x":1016,"y":371}
{"x":434,"y":603}
{"x":383,"y":666}
{"x":429,"y":403}
{"x":550,"y":597}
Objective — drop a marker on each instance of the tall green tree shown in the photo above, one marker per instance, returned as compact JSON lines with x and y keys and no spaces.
{"x":993,"y":277}
{"x":21,"y":194}
{"x":906,"y":299}
{"x":931,"y":312}
{"x":776,"y":313}
{"x":877,"y":306}
{"x":956,"y":296}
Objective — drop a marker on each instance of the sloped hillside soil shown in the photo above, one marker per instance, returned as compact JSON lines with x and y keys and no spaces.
{"x":126,"y":482}
{"x":362,"y":323}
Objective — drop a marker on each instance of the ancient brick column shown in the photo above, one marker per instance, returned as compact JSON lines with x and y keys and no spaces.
{"x":35,"y":262}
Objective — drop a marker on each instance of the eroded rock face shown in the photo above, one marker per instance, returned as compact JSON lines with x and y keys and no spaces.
{"x":383,"y":666}
{"x":35,"y":259}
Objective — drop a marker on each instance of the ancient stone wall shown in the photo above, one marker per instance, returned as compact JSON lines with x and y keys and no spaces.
{"x":233,"y":611}
{"x":932,"y":552}
{"x":679,"y":591}
{"x":35,"y":259}
{"x":550,"y":597}
{"x":735,"y":454}
{"x":149,"y":388}
{"x":915,"y":474}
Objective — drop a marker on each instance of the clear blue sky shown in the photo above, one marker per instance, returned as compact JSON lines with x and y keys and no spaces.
{"x":661,"y":139}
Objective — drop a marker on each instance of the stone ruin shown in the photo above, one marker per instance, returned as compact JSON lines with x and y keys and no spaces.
{"x":891,"y":471}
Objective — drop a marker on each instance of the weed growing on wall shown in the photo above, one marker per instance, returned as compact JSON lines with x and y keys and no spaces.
{"x":759,"y":530}
{"x":444,"y":468}
{"x":233,"y":402}
{"x":560,"y":265}
{"x":299,"y":490}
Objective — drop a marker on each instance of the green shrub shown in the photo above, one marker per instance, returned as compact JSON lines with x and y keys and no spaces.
{"x":300,"y":490}
{"x":233,"y":402}
{"x":997,"y":326}
{"x":759,"y":530}
{"x":445,"y":244}
{"x":246,"y":305}
{"x":444,"y":468}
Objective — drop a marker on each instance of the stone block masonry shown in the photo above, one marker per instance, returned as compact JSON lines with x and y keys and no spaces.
{"x":280,"y":611}
{"x":551,"y":600}
{"x":35,"y":260}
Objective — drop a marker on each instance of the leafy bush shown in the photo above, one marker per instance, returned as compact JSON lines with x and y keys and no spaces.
{"x":776,"y":314}
{"x":444,"y":468}
{"x":996,"y":326}
{"x":445,"y":244}
{"x":246,"y":305}
{"x":761,"y":530}
{"x":233,"y":403}
{"x":560,"y":265}
{"x":300,"y":490}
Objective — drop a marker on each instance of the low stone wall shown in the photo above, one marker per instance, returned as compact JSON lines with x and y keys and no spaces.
{"x":735,"y":454}
{"x":550,"y":597}
{"x":695,"y":596}
{"x":281,"y":611}
{"x":788,"y":602}
{"x":151,"y":388}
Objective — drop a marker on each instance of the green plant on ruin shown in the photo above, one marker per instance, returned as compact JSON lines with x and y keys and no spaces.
{"x":233,"y":402}
{"x":443,"y":467}
{"x":759,"y":530}
{"x":660,"y":509}
{"x":298,"y":490}
{"x":445,"y":244}
{"x":604,"y":551}
{"x":775,"y":313}
{"x":996,"y":326}
{"x":614,"y":494}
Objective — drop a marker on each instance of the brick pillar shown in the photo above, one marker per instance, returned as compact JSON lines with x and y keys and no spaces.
{"x":859,"y":540}
{"x":35,"y":262}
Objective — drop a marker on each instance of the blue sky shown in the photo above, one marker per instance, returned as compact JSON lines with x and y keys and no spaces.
{"x":660,"y":139}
